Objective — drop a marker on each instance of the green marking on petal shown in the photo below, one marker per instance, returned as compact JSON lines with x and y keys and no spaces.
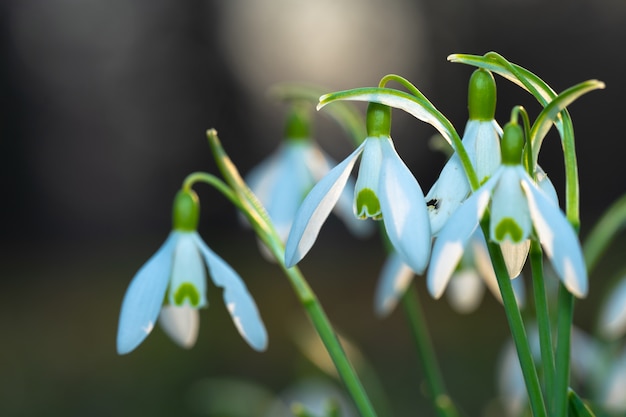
{"x":367,"y":204}
{"x":508,"y":226}
{"x":187,"y":290}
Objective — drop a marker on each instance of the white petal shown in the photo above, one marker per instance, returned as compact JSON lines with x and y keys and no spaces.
{"x":239,"y":302}
{"x":404,"y":210}
{"x":614,"y":385}
{"x":181,"y":324}
{"x":315,"y":209}
{"x":544,"y":183}
{"x":449,"y":246}
{"x":447,"y":193}
{"x":558,"y":239}
{"x":510,"y":218}
{"x":144,"y":298}
{"x":188,"y":280}
{"x":612,"y":321}
{"x":514,"y":255}
{"x":465,"y":291}
{"x":394,"y":279}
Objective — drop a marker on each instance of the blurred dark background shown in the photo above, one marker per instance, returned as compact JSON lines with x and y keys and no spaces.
{"x":103,"y":109}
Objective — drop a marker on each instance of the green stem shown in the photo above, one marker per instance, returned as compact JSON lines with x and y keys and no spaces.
{"x":605,"y":230}
{"x":563,"y":346}
{"x":254,"y":211}
{"x":518,"y":332}
{"x":543,"y":320}
{"x":441,"y":400}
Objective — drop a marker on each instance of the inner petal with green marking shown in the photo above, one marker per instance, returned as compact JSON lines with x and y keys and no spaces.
{"x":508,"y":226}
{"x":187,"y":291}
{"x":367,"y":204}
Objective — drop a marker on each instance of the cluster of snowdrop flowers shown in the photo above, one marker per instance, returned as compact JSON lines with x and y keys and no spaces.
{"x":171,"y":286}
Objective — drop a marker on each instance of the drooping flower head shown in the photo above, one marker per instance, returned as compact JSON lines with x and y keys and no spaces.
{"x":517,"y":207}
{"x":171,"y":286}
{"x":481,"y":141}
{"x":385,"y":189}
{"x":282,"y":181}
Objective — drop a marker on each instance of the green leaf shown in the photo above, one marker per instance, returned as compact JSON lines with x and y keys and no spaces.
{"x":577,"y":408}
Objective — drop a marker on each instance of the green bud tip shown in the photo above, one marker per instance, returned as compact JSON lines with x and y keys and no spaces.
{"x":186,"y":211}
{"x":378,"y":120}
{"x":512,"y":144}
{"x":298,"y":124}
{"x":481,"y":96}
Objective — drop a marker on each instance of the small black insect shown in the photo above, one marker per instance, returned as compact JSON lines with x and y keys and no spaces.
{"x":434,"y":203}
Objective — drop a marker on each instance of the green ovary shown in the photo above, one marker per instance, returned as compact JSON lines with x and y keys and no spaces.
{"x":508,"y":226}
{"x":188,"y":291}
{"x":367,"y":204}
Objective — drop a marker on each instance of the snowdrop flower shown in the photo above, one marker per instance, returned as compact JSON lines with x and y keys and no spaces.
{"x":481,"y":141}
{"x":385,"y":189}
{"x":282,"y":181}
{"x":172,"y":284}
{"x":467,"y":284}
{"x":518,"y":206}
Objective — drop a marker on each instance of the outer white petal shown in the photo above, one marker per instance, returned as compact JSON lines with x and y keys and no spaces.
{"x":614,"y":386}
{"x":447,"y":193}
{"x":181,"y":324}
{"x":315,"y":209}
{"x":514,"y":255}
{"x":465,"y":291}
{"x":450,"y":244}
{"x":187,"y":269}
{"x":558,"y":239}
{"x":612,"y":321}
{"x":509,"y":204}
{"x":239,"y":302}
{"x":394,"y":279}
{"x":404,"y":210}
{"x":546,"y":185}
{"x":144,"y":297}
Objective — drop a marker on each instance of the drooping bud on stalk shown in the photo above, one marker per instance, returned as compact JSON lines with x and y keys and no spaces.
{"x":481,"y":97}
{"x":512,"y":144}
{"x":378,"y":120}
{"x":186,"y":211}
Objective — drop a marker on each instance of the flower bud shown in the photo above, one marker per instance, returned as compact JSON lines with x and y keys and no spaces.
{"x":481,"y":98}
{"x":186,"y":211}
{"x":378,"y":120}
{"x":512,"y":144}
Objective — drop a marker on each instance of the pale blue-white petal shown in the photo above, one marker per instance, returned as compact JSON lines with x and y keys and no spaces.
{"x":181,"y":324}
{"x":612,"y":319}
{"x":613,"y":385}
{"x":484,"y":148}
{"x":510,"y":218}
{"x":404,"y":210}
{"x":315,"y":209}
{"x":544,"y":183}
{"x":188,"y":279}
{"x":144,"y":297}
{"x":558,"y":239}
{"x":450,"y":244}
{"x":239,"y":302}
{"x":394,"y":279}
{"x":465,"y":291}
{"x":447,"y":193}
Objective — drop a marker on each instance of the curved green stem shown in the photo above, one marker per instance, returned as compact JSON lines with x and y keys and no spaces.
{"x":563,"y":347}
{"x":543,"y":319}
{"x":254,"y":211}
{"x":426,"y":353}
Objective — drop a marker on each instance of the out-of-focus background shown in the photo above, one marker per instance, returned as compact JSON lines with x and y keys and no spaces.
{"x":103,"y":109}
